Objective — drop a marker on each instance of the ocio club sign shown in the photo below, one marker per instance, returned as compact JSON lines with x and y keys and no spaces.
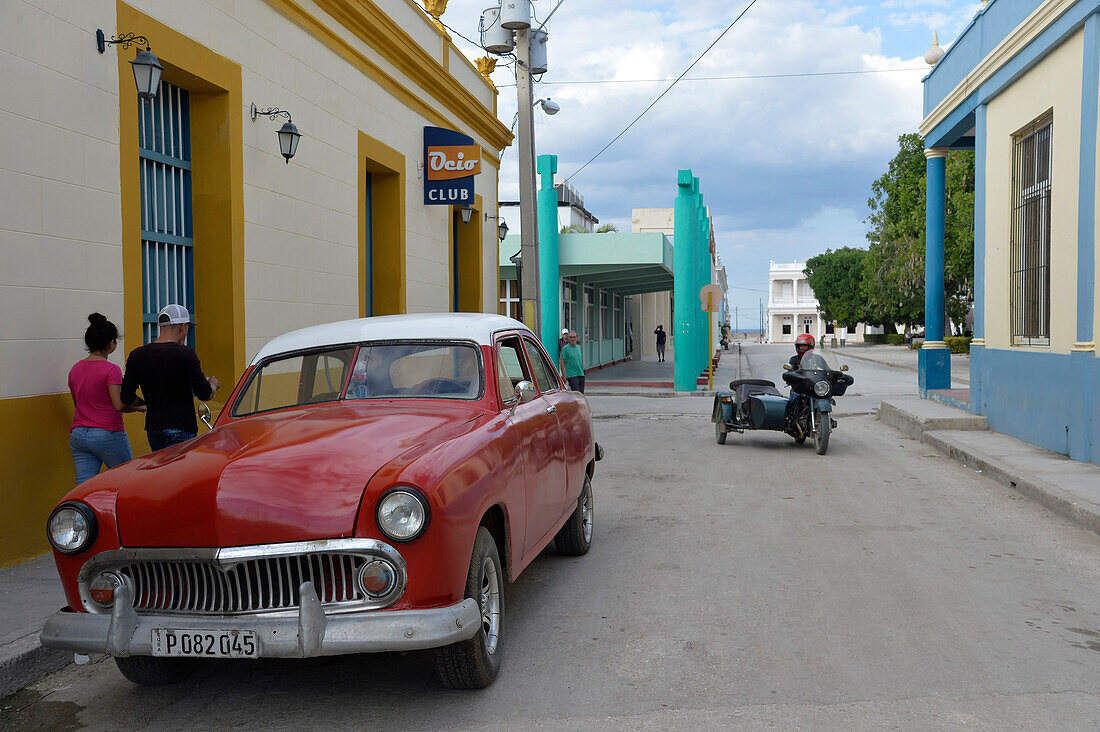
{"x":451,"y":160}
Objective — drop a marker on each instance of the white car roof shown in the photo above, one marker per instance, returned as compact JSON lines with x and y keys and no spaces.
{"x":477,"y":327}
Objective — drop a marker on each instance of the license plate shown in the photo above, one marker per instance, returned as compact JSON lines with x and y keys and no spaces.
{"x":205,"y":643}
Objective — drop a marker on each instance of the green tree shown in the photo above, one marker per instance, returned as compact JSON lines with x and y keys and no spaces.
{"x":607,"y":229}
{"x":893,"y":277}
{"x":571,"y":229}
{"x":837,"y":281}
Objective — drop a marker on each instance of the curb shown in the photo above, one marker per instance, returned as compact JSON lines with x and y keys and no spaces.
{"x":25,"y":661}
{"x":916,"y":427}
{"x":1038,"y":491}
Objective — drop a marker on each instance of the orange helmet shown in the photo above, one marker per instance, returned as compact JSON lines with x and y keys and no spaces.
{"x":804,"y":342}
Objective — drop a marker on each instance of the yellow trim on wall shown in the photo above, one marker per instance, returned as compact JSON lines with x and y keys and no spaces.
{"x":387,"y":169}
{"x":375,"y":28}
{"x":217,"y":180}
{"x":38,"y":470}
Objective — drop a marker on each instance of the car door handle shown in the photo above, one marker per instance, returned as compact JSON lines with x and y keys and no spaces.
{"x":551,"y":409}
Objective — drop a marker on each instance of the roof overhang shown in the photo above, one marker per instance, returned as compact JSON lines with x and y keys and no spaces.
{"x":628,"y":263}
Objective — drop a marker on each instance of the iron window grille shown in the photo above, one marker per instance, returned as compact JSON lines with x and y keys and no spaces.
{"x":1029,"y":272}
{"x":167,"y":237}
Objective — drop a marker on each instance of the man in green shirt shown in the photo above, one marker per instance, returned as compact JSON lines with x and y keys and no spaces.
{"x":572,"y":363}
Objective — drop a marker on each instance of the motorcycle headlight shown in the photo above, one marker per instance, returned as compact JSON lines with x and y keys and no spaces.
{"x":402,"y":514}
{"x":822,"y":389}
{"x":72,"y":527}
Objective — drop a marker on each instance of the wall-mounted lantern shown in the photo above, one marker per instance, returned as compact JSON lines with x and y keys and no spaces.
{"x":502,"y":228}
{"x":288,"y":133}
{"x":147,"y":68}
{"x":467,"y":213}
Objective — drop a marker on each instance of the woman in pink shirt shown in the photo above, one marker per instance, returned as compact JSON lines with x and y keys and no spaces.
{"x":97,"y":436}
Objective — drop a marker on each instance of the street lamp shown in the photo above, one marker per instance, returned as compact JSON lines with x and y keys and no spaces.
{"x":467,"y":213}
{"x":549,"y":106}
{"x":146,"y":66}
{"x":288,"y":133}
{"x":502,"y":227}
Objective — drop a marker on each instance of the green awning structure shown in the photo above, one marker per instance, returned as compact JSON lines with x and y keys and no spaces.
{"x":627,"y":263}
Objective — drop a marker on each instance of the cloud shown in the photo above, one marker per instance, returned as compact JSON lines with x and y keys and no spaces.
{"x":785,"y":164}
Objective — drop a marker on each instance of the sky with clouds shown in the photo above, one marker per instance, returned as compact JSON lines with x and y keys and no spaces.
{"x":786,"y":164}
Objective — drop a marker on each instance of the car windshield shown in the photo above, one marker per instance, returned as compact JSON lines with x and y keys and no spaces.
{"x":371,"y":371}
{"x":400,"y":370}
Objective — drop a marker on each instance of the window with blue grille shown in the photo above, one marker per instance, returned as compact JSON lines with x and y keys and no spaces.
{"x":164,"y":148}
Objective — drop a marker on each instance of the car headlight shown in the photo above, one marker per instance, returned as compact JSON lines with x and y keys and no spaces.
{"x":822,"y":388}
{"x":402,"y":514}
{"x":72,"y":527}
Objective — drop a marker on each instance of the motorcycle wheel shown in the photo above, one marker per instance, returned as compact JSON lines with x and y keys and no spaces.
{"x":821,"y":436}
{"x":719,"y":431}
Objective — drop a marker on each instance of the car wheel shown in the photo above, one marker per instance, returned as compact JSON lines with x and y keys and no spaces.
{"x":474,"y":663}
{"x":150,"y":671}
{"x":821,"y":436}
{"x":575,"y":538}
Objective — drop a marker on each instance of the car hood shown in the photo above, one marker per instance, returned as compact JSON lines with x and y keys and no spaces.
{"x":290,"y":476}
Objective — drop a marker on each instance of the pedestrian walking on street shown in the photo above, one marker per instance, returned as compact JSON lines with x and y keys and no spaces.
{"x":661,"y":336}
{"x":169,"y":375}
{"x":97,"y":436}
{"x":572,"y":363}
{"x":563,"y":341}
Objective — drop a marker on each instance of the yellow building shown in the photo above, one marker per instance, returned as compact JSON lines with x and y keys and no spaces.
{"x":115,"y":204}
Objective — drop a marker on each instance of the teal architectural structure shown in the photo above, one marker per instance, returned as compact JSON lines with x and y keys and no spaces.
{"x":587,"y":279}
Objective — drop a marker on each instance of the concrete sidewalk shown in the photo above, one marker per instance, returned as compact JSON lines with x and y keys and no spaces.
{"x":650,"y":377}
{"x":32,"y":593}
{"x":1065,"y":486}
{"x":902,"y":358}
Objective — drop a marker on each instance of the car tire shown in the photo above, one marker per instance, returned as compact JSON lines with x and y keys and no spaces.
{"x":150,"y":671}
{"x":575,"y":538}
{"x":474,"y":663}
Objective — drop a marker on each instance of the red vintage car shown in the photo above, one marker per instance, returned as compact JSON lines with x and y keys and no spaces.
{"x":368,"y":487}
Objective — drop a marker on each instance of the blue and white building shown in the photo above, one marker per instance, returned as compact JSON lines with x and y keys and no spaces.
{"x":1021,"y":87}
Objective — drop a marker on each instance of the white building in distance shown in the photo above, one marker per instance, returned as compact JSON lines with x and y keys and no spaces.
{"x":792,"y":306}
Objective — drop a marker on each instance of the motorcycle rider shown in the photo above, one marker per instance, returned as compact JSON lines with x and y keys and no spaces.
{"x":803,"y":344}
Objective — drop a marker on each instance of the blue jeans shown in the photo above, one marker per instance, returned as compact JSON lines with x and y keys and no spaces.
{"x":160,"y":439}
{"x":93,"y":447}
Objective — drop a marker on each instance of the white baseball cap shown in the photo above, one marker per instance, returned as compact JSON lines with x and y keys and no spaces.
{"x":565,"y":331}
{"x":174,"y":315}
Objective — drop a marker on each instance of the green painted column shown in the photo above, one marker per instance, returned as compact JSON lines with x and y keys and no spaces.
{"x":684,"y":234}
{"x":549,"y":262}
{"x":699,"y":265}
{"x":705,"y":272}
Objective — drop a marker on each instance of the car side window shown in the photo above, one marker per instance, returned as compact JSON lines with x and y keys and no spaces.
{"x":510,"y":368}
{"x":544,"y":376}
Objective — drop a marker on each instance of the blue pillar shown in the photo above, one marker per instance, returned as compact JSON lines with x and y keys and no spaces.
{"x":549,"y":262}
{"x":977,"y":346}
{"x":683,"y":279}
{"x":934,"y":360}
{"x":1083,"y":356}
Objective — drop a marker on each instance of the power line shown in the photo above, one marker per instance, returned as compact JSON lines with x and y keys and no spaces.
{"x":452,"y":30}
{"x":666,"y":91}
{"x":797,"y":75}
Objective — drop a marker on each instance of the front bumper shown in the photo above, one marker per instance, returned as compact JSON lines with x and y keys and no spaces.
{"x":311,"y":633}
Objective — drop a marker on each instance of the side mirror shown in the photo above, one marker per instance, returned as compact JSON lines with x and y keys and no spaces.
{"x":788,"y":367}
{"x":525,"y":392}
{"x":844,"y":367}
{"x":204,"y":415}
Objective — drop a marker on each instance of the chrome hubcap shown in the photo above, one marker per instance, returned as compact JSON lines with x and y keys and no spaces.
{"x":489,"y":599}
{"x":586,"y":515}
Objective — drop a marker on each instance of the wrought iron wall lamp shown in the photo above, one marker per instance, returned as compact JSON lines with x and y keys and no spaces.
{"x":288,"y":133}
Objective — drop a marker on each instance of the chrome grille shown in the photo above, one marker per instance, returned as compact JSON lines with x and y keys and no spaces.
{"x":241,"y":580}
{"x":256,"y":585}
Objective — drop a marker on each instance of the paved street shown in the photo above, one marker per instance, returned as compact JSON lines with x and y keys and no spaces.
{"x":750,"y":585}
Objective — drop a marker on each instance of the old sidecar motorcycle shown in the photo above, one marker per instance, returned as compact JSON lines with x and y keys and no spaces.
{"x":755,"y":404}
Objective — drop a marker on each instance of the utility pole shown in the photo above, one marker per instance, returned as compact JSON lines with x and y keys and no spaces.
{"x":528,"y":214}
